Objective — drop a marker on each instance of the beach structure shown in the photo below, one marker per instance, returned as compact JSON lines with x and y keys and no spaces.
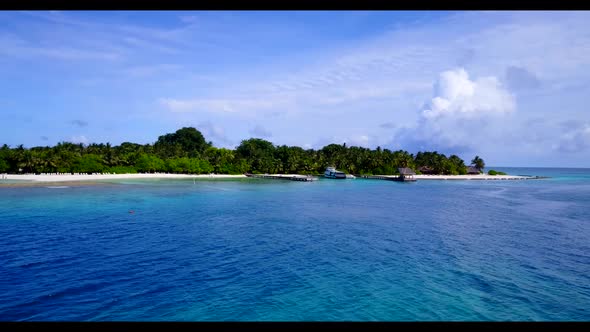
{"x":472,"y":170}
{"x":303,"y":178}
{"x":426,"y":170}
{"x":406,"y":174}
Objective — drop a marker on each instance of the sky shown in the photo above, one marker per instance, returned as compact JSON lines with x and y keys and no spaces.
{"x":509,"y":86}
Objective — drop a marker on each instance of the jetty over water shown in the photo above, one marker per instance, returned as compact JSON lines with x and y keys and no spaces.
{"x":480,"y":177}
{"x":405,"y":175}
{"x":384,"y":177}
{"x":303,"y":178}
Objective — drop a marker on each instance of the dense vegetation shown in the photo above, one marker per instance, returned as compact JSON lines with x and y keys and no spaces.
{"x":478,"y":163}
{"x":494,"y":172}
{"x":187,"y":151}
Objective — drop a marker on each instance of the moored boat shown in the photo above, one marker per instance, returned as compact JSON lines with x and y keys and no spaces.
{"x":332,"y":173}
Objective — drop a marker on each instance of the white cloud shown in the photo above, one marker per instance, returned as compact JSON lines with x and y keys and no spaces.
{"x":216,"y":105}
{"x":463,"y":114}
{"x":351,"y":86}
{"x":14,"y":46}
{"x":384,"y":80}
{"x":359,"y":140}
{"x":79,"y":139}
{"x":142,"y":44}
{"x":457,"y":95}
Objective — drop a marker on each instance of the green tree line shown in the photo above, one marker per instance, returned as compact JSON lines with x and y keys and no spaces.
{"x":186,"y":151}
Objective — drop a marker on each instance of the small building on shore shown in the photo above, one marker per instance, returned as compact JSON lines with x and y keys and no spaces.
{"x":472,"y":170}
{"x":406,"y":174}
{"x":426,"y":170}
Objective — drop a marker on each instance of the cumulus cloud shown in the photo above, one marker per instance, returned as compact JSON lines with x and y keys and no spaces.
{"x":457,"y":95}
{"x":79,"y":123}
{"x":260,"y":132}
{"x":461,"y":112}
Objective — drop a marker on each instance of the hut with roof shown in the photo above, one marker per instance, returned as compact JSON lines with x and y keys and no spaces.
{"x":471,"y":170}
{"x":426,"y":170}
{"x":406,"y":174}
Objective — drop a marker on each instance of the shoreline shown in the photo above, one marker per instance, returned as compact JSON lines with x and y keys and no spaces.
{"x":472,"y":177}
{"x":11,"y":180}
{"x":32,"y":178}
{"x":444,"y":177}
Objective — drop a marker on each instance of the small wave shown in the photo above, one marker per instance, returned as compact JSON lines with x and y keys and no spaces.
{"x":70,"y":290}
{"x":57,"y":187}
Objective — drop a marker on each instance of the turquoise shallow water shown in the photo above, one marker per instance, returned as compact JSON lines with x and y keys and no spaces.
{"x":350,"y":250}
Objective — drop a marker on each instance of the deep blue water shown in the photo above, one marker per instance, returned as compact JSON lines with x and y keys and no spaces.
{"x":349,"y":250}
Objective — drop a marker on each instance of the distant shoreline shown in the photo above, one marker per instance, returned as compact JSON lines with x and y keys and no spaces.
{"x":93,"y":177}
{"x":6,"y":180}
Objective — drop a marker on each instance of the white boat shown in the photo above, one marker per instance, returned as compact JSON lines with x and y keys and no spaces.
{"x":332,"y":173}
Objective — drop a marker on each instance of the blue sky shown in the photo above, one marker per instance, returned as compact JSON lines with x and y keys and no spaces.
{"x":511,"y":87}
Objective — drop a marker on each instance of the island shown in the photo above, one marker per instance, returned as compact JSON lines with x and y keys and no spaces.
{"x":186,"y":153}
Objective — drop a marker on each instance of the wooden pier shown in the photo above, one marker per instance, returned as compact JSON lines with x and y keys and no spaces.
{"x":405,"y":175}
{"x":385,"y":177}
{"x":302,"y":178}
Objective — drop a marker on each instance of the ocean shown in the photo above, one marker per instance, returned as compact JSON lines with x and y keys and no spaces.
{"x":329,"y":250}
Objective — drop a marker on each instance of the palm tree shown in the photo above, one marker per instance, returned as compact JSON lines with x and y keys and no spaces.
{"x":405,"y":159}
{"x":478,"y":163}
{"x":26,"y":161}
{"x":50,"y":163}
{"x":110,"y":157}
{"x":402,"y":158}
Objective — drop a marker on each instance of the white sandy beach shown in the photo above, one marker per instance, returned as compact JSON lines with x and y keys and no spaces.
{"x":446,"y":177}
{"x":93,"y":177}
{"x":466,"y":177}
{"x":70,"y":177}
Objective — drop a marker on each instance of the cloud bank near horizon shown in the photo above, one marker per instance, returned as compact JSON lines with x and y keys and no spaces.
{"x":460,"y":111}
